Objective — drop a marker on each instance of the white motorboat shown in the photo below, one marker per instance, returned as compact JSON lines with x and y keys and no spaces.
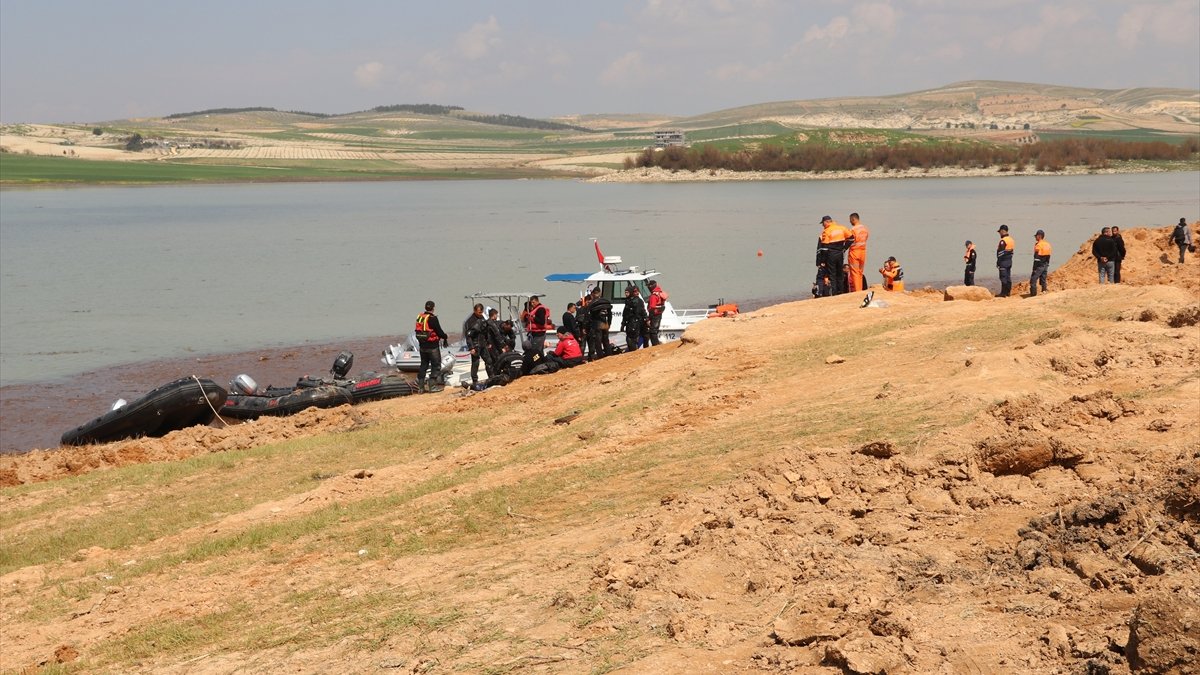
{"x":612,"y":281}
{"x":456,"y":359}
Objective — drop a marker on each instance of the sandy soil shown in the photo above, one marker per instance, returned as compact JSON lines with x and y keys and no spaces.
{"x":1040,"y":513}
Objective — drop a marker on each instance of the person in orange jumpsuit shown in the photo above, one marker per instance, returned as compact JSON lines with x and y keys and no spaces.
{"x":892,"y":275}
{"x":858,"y":254}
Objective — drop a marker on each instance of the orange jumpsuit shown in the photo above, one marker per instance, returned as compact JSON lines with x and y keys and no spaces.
{"x":858,"y":256}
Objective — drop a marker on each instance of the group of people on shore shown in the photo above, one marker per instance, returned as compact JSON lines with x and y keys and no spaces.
{"x":842,"y":260}
{"x":837,"y":240}
{"x":582,"y":336}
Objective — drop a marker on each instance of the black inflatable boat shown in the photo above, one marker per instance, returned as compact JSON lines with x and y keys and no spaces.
{"x":376,"y":387}
{"x":282,"y":401}
{"x":180,"y":404}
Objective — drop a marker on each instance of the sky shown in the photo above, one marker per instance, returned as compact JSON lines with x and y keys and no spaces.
{"x":94,"y":61}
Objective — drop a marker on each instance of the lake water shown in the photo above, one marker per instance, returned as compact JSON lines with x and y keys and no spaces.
{"x":96,"y":277}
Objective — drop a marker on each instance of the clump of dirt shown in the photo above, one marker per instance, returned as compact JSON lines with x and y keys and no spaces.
{"x":1163,"y":635}
{"x":1024,"y":453}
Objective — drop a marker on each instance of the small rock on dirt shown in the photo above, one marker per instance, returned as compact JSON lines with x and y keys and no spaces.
{"x":971,"y":293}
{"x":880,"y":449}
{"x":866,"y":655}
{"x":834,"y":358}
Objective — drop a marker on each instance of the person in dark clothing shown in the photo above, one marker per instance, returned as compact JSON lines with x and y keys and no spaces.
{"x":493,"y":340}
{"x":600,"y":316}
{"x":570,"y":321}
{"x":508,"y":334}
{"x":832,"y":244}
{"x":1120,"y":242}
{"x":1181,"y":236}
{"x":475,"y":334}
{"x":969,"y":259}
{"x":508,"y":368}
{"x":823,"y":284}
{"x":429,"y":336}
{"x":633,"y":319}
{"x":1104,"y":250}
{"x":1004,"y":261}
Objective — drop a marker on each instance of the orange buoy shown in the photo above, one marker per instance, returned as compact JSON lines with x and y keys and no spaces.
{"x":760,"y":252}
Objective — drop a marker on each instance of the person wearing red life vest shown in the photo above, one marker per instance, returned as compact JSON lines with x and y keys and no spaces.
{"x":539,"y":324}
{"x":429,"y":334}
{"x":656,"y":304}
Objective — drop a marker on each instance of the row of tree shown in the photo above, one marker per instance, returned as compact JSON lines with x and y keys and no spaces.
{"x":1052,"y":155}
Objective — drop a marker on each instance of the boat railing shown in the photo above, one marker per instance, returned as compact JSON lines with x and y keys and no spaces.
{"x":691,"y":315}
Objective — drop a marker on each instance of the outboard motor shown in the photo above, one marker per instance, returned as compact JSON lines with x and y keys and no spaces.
{"x":119,"y":403}
{"x":342,"y":365}
{"x":244,"y":384}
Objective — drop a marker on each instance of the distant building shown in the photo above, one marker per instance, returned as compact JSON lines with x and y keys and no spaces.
{"x":668,"y":138}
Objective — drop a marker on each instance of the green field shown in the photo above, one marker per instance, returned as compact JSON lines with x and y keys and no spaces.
{"x":29,"y":170}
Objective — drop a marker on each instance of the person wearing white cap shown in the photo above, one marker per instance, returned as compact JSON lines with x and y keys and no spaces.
{"x":1041,"y":263}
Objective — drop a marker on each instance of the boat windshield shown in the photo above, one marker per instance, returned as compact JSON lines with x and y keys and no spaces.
{"x":615,"y":290}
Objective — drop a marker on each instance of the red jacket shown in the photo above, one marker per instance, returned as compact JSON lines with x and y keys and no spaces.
{"x":568,"y":347}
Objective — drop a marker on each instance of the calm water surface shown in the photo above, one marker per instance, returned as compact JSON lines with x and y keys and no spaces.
{"x":97,"y":277}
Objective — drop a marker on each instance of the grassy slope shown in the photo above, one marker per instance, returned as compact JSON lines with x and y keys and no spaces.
{"x":278,"y":550}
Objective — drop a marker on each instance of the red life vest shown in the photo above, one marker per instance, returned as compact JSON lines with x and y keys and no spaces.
{"x":539,"y":319}
{"x":422,"y":330}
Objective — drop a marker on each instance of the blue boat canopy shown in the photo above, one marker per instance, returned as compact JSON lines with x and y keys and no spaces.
{"x":582,"y":276}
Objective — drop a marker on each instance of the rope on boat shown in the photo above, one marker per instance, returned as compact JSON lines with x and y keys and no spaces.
{"x":210,"y":405}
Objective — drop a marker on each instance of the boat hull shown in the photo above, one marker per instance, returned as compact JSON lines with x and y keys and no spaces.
{"x":177,"y":405}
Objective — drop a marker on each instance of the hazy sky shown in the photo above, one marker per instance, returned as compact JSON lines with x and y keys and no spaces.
{"x":97,"y":60}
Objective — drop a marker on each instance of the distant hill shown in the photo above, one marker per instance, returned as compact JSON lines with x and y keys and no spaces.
{"x":983,"y":103}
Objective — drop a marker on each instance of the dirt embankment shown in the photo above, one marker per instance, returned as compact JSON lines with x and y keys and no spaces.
{"x":998,"y":486}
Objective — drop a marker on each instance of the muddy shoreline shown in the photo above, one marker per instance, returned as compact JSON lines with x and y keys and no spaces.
{"x":33,"y":416}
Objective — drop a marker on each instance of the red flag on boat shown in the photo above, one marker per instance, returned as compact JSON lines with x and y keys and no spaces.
{"x":599,"y":255}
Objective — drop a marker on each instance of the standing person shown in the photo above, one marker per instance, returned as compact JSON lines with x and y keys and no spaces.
{"x":1104,"y":249}
{"x":969,"y":260}
{"x":569,"y":320}
{"x":583,"y":320}
{"x":1041,"y":263}
{"x":1181,"y":236}
{"x":633,"y":319}
{"x":494,"y":340}
{"x":539,"y":324}
{"x":475,"y":334}
{"x":1004,"y":260}
{"x":600,"y":316}
{"x":858,"y":254}
{"x":429,"y":336}
{"x":1120,"y":242}
{"x":655,"y":306}
{"x":831,"y":248}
